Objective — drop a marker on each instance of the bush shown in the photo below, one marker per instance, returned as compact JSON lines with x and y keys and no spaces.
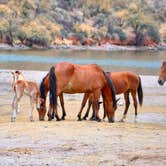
{"x":4,"y":25}
{"x":153,"y":33}
{"x":162,"y":32}
{"x":120,"y":33}
{"x":81,"y":36}
{"x":35,"y":33}
{"x":84,"y":28}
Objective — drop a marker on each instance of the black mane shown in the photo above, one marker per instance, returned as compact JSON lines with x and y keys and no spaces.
{"x":42,"y":88}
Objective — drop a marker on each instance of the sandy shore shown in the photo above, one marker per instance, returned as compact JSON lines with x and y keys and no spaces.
{"x":83,"y":143}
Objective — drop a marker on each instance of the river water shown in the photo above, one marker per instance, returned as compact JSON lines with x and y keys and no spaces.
{"x":141,"y":62}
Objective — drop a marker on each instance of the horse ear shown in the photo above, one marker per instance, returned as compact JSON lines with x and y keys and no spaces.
{"x":18,"y":72}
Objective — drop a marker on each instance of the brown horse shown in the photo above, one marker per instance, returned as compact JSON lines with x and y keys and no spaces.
{"x":162,"y":75}
{"x":72,"y":78}
{"x":20,"y":87}
{"x":124,"y":82}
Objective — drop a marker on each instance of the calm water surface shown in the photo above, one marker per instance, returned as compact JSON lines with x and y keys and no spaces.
{"x":142,"y":62}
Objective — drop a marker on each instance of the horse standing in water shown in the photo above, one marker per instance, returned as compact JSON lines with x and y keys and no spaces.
{"x":124,"y":82}
{"x":72,"y":78}
{"x":20,"y":87}
{"x":162,"y":75}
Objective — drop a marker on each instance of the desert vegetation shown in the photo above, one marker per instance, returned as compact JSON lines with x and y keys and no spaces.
{"x":40,"y":23}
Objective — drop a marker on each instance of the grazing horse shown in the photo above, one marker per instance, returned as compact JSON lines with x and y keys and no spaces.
{"x":71,"y":78}
{"x":124,"y":82}
{"x":162,"y":75}
{"x":21,"y":87}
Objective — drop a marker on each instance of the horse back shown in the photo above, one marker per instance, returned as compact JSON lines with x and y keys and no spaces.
{"x":125,"y":80}
{"x":74,"y":78}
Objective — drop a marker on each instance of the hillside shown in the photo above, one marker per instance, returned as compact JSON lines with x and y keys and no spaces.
{"x":82,"y":22}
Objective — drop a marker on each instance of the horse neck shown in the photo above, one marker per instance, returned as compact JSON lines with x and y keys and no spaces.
{"x":21,"y":77}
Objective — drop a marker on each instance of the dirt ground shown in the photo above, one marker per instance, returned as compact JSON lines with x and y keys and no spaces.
{"x":81,"y":143}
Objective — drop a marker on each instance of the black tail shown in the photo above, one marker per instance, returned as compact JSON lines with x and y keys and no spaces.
{"x":140,"y":92}
{"x":53,"y":87}
{"x":112,"y":89}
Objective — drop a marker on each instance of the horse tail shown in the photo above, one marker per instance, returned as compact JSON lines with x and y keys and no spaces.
{"x":53,"y":87}
{"x":140,"y":92}
{"x":112,"y":88}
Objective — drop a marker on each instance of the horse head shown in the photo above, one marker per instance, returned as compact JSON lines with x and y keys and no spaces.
{"x":42,"y":109}
{"x":162,"y":75}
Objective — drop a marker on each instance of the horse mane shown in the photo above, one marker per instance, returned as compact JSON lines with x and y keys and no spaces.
{"x":53,"y":87}
{"x":112,"y":88}
{"x":42,"y":88}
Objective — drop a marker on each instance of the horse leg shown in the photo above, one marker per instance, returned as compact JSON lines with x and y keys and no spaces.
{"x":13,"y":116}
{"x":17,"y":97}
{"x":127,"y":103}
{"x":104,"y":115}
{"x":18,"y":110}
{"x":93,"y":117}
{"x":32,"y":102}
{"x":95,"y":105}
{"x":133,"y":93}
{"x":56,"y":114}
{"x":88,"y":109}
{"x":85,"y":98}
{"x":50,"y":113}
{"x":62,"y":106}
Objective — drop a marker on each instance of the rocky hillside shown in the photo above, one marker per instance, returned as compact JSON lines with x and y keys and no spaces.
{"x":82,"y":22}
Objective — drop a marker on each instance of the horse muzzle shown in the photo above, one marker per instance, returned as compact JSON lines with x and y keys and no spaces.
{"x":41,"y":119}
{"x":111,"y":120}
{"x":161,"y":82}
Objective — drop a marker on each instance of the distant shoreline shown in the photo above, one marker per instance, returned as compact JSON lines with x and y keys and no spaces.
{"x":105,"y":47}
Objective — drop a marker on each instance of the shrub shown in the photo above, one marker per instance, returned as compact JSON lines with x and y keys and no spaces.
{"x":81,"y":36}
{"x":120,"y":33}
{"x":162,"y":32}
{"x":35,"y":34}
{"x":144,"y":31}
{"x":84,"y":28}
{"x":4,"y":10}
{"x":121,"y":13}
{"x":4,"y":25}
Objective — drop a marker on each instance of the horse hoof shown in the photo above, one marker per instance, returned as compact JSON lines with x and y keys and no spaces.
{"x":121,"y":120}
{"x":111,"y":120}
{"x":63,"y":118}
{"x":84,"y":118}
{"x":79,"y":119}
{"x":98,"y":120}
{"x":49,"y":119}
{"x":92,"y":119}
